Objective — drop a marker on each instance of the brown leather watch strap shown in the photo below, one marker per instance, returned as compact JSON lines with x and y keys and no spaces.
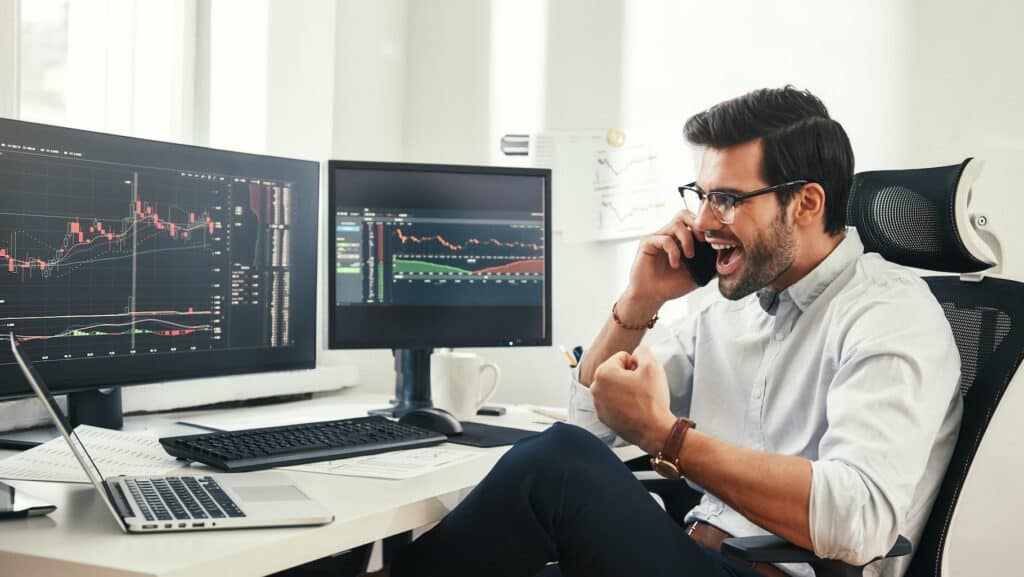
{"x":674,"y":442}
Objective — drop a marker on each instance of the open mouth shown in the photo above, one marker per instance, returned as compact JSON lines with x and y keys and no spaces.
{"x":729,"y":257}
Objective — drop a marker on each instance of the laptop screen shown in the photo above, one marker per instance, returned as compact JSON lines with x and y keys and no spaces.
{"x":63,"y":425}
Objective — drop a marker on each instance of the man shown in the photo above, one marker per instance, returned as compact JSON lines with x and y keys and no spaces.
{"x":823,"y":386}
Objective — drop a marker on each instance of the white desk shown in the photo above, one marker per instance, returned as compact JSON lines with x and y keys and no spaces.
{"x":81,"y":538}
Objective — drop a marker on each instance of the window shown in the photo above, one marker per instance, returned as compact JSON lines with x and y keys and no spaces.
{"x":120,"y":66}
{"x":43,"y":59}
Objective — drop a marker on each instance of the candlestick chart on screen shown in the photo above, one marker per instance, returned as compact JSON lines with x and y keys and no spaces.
{"x":100,"y":259}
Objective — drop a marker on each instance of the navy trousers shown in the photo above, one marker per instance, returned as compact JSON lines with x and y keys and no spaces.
{"x":563,"y":497}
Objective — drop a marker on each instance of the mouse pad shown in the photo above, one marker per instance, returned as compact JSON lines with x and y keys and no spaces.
{"x":481,"y":435}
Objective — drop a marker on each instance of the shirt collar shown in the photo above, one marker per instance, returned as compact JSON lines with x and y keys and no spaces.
{"x":804,"y":291}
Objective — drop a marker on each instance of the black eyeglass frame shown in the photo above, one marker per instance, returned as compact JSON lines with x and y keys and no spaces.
{"x":730,"y":200}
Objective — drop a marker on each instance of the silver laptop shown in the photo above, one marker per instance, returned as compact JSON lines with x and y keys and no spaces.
{"x":185,"y":502}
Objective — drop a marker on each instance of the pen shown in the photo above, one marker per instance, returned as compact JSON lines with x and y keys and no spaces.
{"x":577,"y":352}
{"x":551,"y":413}
{"x":568,"y":357}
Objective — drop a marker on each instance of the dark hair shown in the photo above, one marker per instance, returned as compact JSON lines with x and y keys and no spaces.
{"x":798,"y":138}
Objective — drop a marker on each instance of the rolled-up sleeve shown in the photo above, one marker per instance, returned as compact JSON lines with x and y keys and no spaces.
{"x":674,"y":347}
{"x":582,"y":412}
{"x":896,"y":381}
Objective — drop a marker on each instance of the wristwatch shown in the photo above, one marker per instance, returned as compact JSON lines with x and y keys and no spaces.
{"x":666,"y":462}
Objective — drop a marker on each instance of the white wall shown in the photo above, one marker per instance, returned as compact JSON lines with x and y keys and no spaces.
{"x":681,"y":57}
{"x":369,"y":79}
{"x":964,"y":99}
{"x":9,"y":18}
{"x":447,"y":81}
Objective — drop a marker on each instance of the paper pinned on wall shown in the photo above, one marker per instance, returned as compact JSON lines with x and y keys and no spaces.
{"x":610,"y":184}
{"x":114,"y":452}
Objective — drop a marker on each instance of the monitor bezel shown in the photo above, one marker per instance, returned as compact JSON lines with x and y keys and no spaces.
{"x":332,"y":323}
{"x":307,"y":359}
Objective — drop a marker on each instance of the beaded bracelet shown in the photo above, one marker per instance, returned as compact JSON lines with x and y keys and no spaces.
{"x":615,"y":316}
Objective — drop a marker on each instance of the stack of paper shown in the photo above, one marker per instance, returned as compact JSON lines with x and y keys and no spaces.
{"x":393,"y":465}
{"x":114,"y":452}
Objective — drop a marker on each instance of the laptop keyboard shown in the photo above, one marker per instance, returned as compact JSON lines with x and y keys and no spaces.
{"x":172,"y":498}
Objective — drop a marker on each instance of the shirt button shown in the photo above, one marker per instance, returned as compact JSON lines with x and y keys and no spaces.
{"x":757,"y":393}
{"x":780,"y":335}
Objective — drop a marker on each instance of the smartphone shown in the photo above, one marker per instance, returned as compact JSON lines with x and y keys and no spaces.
{"x":16,"y":504}
{"x":702,"y":266}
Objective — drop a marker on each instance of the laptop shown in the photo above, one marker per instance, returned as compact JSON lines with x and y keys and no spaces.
{"x":184,"y":502}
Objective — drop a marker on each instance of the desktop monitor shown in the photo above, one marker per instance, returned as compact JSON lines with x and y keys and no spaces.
{"x":128,"y":261}
{"x":432,"y":256}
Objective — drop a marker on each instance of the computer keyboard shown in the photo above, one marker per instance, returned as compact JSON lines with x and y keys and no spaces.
{"x":254,"y":449}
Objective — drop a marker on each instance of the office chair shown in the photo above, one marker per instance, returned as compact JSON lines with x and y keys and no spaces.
{"x":920,"y":218}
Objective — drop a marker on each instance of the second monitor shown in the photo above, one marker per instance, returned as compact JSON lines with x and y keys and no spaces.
{"x":432,"y":256}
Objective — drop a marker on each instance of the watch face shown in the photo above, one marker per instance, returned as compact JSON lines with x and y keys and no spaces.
{"x":665,"y":468}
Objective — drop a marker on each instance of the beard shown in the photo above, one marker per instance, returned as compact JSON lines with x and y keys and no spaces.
{"x":766,"y":259}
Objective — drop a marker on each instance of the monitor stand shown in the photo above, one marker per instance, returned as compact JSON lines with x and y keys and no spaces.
{"x":412,"y":382}
{"x":99,"y":407}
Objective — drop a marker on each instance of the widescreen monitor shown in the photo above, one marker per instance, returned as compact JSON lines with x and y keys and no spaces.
{"x":128,"y":261}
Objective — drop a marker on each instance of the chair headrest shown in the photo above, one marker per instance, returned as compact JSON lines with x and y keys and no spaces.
{"x":920,"y":218}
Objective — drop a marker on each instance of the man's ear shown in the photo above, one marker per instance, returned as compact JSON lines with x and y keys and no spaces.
{"x":809,"y":204}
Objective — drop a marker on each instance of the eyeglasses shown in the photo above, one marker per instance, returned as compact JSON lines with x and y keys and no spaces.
{"x":723,"y":204}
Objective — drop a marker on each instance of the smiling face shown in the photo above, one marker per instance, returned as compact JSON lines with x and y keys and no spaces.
{"x":760,"y":246}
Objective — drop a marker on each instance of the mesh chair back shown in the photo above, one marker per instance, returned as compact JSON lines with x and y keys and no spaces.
{"x":986,"y":318}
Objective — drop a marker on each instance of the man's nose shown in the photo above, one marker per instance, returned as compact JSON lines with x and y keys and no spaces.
{"x":706,"y":219}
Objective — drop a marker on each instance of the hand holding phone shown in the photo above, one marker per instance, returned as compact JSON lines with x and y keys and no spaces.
{"x":662,"y":271}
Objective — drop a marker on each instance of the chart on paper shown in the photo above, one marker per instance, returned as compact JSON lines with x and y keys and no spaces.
{"x":626,"y":186}
{"x":610,"y":184}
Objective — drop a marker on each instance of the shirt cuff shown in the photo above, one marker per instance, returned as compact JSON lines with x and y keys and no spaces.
{"x":849,"y":520}
{"x":582,"y":412}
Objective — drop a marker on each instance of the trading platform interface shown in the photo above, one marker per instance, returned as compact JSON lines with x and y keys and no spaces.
{"x":115,"y":248}
{"x":446,"y":259}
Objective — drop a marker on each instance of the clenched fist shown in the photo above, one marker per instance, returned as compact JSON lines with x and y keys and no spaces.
{"x":631,"y":396}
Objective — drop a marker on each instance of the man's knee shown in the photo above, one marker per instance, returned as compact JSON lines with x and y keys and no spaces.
{"x":564,"y":437}
{"x":560,"y":446}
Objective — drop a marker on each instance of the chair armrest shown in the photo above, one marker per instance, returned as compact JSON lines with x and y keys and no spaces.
{"x":676,"y":496}
{"x":772,"y":549}
{"x":766,"y":549}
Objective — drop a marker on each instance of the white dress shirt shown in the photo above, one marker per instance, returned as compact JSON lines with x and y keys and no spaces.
{"x":854,"y":368}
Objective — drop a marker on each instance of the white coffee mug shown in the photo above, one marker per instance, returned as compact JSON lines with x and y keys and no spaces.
{"x":456,"y":382}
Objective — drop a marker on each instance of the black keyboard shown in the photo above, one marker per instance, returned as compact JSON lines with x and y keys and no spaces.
{"x":254,"y":449}
{"x":176,"y":498}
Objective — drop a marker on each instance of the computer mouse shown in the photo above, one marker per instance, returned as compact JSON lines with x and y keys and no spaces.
{"x":433,"y":419}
